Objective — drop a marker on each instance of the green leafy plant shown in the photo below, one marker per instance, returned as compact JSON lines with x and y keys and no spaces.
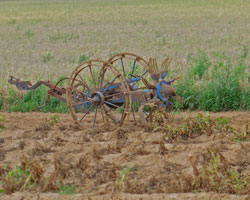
{"x":54,"y":119}
{"x":67,"y":189}
{"x":121,"y":181}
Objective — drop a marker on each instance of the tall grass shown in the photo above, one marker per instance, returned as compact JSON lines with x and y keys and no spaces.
{"x":221,"y":86}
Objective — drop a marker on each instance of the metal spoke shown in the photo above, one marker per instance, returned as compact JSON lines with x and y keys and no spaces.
{"x":111,"y":104}
{"x":110,"y":83}
{"x":80,"y":103}
{"x":123,"y":68}
{"x":90,"y":69}
{"x":86,"y":113}
{"x":94,"y":118}
{"x":111,"y":95}
{"x":133,"y":67}
{"x":85,"y":84}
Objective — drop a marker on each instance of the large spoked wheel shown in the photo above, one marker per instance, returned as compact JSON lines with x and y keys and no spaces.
{"x":133,"y":68}
{"x":97,"y":91}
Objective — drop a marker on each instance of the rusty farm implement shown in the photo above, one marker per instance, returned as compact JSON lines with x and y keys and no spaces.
{"x":112,"y":88}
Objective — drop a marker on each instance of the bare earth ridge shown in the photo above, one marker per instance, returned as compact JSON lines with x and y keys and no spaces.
{"x":95,"y":161}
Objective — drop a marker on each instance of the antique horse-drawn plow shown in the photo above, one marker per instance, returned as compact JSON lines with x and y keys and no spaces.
{"x":112,"y":88}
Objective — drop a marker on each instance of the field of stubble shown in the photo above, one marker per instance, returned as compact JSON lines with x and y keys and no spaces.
{"x":45,"y":39}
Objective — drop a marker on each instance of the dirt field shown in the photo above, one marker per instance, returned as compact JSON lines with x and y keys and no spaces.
{"x":121,"y":163}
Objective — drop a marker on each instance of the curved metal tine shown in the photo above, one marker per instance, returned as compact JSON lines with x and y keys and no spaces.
{"x":111,"y":104}
{"x":86,"y":112}
{"x":93,"y":126}
{"x":110,"y":83}
{"x":44,"y":102}
{"x":123,"y":68}
{"x":84,"y":82}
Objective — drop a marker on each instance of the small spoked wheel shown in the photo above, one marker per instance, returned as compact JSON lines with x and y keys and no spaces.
{"x":97,"y":91}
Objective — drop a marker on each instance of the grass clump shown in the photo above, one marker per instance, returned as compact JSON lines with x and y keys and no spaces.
{"x":33,"y":100}
{"x":47,"y":57}
{"x":222,"y":86}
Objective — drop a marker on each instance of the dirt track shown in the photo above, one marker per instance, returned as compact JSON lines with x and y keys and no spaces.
{"x":118,"y":163}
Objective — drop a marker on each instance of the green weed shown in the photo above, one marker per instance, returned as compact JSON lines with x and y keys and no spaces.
{"x":199,"y":65}
{"x":47,"y":57}
{"x":54,"y":119}
{"x":217,"y":175}
{"x":121,"y":181}
{"x":82,"y":58}
{"x":17,"y":179}
{"x":241,"y":136}
{"x":67,"y":189}
{"x":32,"y":100}
{"x":217,"y":87}
{"x":29,"y":34}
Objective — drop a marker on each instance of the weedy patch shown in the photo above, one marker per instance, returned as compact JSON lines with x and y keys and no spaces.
{"x":191,"y":128}
{"x":67,"y":189}
{"x":241,"y":136}
{"x":27,"y":176}
{"x":218,"y":175}
{"x":54,"y":119}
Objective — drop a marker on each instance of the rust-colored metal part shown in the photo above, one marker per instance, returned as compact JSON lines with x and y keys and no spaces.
{"x":115,"y":88}
{"x":55,"y":90}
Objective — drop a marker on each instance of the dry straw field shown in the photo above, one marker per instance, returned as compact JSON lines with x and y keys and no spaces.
{"x":45,"y":39}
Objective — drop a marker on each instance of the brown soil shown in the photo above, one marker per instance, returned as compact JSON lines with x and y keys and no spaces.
{"x":110,"y":162}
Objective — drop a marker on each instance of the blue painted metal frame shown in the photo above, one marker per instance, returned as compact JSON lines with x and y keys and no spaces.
{"x":158,"y":92}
